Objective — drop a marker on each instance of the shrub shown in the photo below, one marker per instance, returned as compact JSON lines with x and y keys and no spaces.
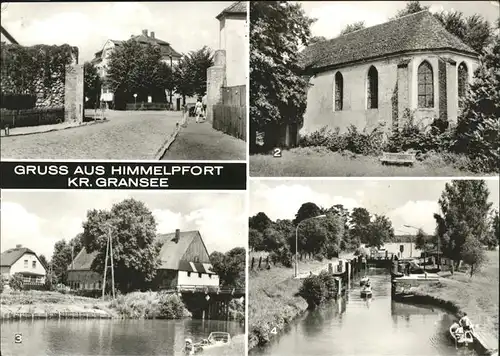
{"x":16,"y":282}
{"x":330,"y":284}
{"x":17,"y":101}
{"x":364,"y":143}
{"x":324,"y":137}
{"x":282,"y":256}
{"x":31,"y":117}
{"x":319,"y":257}
{"x":171,"y":307}
{"x":313,"y":290}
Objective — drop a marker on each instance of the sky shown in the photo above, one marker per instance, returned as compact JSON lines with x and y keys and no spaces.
{"x":37,"y":219}
{"x":333,"y":16}
{"x":88,"y":25}
{"x":405,"y":202}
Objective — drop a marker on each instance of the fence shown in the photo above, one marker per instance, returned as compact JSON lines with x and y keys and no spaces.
{"x":260,"y":262}
{"x":230,"y":116}
{"x":31,"y":117}
{"x":148,"y":106}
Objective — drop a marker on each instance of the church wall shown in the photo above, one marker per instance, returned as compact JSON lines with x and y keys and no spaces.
{"x":320,"y":98}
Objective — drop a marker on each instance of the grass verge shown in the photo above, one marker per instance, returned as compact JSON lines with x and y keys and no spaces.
{"x":321,"y":162}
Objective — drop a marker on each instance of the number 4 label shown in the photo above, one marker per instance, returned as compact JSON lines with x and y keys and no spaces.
{"x":277,"y":152}
{"x":18,"y":338}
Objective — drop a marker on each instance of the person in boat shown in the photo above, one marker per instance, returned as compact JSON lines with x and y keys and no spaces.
{"x":188,"y":347}
{"x":457,"y":329}
{"x":465,"y":323}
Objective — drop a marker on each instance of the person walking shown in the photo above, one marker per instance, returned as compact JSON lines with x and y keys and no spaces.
{"x":198,"y":109}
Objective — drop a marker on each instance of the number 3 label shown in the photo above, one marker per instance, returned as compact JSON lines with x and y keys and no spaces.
{"x":277,"y":152}
{"x":18,"y":338}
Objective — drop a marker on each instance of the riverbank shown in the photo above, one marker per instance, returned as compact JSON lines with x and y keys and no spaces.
{"x":477,"y":296}
{"x":274,"y":300}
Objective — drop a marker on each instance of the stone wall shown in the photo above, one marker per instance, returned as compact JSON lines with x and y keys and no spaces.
{"x":73,"y":94}
{"x":216,"y":79}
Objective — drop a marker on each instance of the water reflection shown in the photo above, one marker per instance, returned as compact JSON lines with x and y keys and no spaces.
{"x":367,"y":326}
{"x":107,"y":337}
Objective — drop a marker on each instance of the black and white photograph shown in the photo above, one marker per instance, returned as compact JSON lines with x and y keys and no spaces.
{"x":124,"y":80}
{"x":374,"y":88}
{"x":373,"y":267}
{"x":123,"y":273}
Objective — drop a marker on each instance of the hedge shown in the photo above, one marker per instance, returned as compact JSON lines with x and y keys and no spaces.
{"x":148,"y":106}
{"x":31,"y":117}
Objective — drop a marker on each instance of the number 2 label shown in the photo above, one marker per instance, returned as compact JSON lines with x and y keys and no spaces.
{"x":277,"y":152}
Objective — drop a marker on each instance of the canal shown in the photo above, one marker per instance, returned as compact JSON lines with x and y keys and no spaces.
{"x":109,"y":337}
{"x":377,"y":326}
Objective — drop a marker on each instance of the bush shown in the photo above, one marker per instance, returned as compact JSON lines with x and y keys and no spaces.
{"x":330,"y":284}
{"x":368,"y":144}
{"x":282,"y":256}
{"x":16,"y":282}
{"x":32,"y":117}
{"x":171,"y":307}
{"x":313,"y":290}
{"x":319,"y":257}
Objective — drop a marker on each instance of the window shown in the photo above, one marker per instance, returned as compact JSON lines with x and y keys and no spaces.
{"x":339,"y":91}
{"x":189,"y":274}
{"x":462,"y":82}
{"x":25,"y":263}
{"x":425,"y":86}
{"x":199,"y":275}
{"x":210,"y":276}
{"x":196,"y":259}
{"x":372,"y":90}
{"x":33,"y":265}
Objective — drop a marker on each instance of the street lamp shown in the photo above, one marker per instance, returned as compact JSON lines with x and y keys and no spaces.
{"x":297,"y":244}
{"x":135,"y":101}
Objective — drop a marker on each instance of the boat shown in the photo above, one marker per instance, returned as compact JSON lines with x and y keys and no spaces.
{"x":459,"y":336}
{"x":366,"y":291}
{"x":363,"y":281}
{"x":215,"y":339}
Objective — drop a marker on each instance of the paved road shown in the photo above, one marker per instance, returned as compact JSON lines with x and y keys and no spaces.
{"x":128,"y":135}
{"x":202,"y":142}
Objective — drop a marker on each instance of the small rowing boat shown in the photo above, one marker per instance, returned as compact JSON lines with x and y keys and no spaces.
{"x":366,"y":291}
{"x":460,"y":336}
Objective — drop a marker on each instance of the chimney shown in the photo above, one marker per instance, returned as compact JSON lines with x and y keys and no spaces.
{"x":177,"y":235}
{"x":152,"y":34}
{"x":19,"y":246}
{"x":145,"y":33}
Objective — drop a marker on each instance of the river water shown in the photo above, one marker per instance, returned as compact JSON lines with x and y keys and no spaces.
{"x":354,"y":326}
{"x":107,"y":337}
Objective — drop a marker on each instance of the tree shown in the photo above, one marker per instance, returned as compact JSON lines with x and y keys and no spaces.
{"x":352,"y":27}
{"x":464,"y":215}
{"x":167,"y":79}
{"x":135,"y":68}
{"x":259,"y":222}
{"x":62,"y":257}
{"x":91,"y":85}
{"x":278,"y":91}
{"x":190,"y":75}
{"x":478,"y":127}
{"x":491,"y":239}
{"x":381,"y":231}
{"x":230,"y":267}
{"x":360,"y":222}
{"x":313,"y":235}
{"x":306,"y":211}
{"x":43,"y":261}
{"x":135,"y":249}
{"x":273,"y":239}
{"x":474,"y":30}
{"x":411,"y":8}
{"x":255,"y":240}
{"x":473,"y":254}
{"x":316,"y":39}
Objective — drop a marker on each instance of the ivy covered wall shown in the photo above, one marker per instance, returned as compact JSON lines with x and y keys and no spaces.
{"x":38,"y":70}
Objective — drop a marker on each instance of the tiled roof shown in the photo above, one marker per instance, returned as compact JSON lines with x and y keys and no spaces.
{"x":170,"y":254}
{"x":418,"y":31}
{"x":238,"y":7}
{"x":166,"y":49}
{"x":9,"y":257}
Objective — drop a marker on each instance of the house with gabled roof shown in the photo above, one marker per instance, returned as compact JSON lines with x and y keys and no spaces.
{"x":101,"y":59}
{"x":184,"y":262}
{"x":370,"y":77}
{"x":24,"y":261}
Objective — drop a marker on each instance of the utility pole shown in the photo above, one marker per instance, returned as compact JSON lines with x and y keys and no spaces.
{"x":112,"y":265}
{"x":105,"y":267}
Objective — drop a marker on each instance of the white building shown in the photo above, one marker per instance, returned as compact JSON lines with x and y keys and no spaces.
{"x":24,"y":261}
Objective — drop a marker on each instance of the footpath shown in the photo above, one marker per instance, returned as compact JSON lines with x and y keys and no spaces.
{"x":200,"y":141}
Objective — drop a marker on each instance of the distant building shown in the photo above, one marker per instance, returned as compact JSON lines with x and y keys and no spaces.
{"x":101,"y":59}
{"x":184,"y":262}
{"x":400,"y":249}
{"x":24,"y":261}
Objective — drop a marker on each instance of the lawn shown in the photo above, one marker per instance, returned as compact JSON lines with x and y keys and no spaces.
{"x":320,"y":162}
{"x":127,"y":135}
{"x":477,"y":296}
